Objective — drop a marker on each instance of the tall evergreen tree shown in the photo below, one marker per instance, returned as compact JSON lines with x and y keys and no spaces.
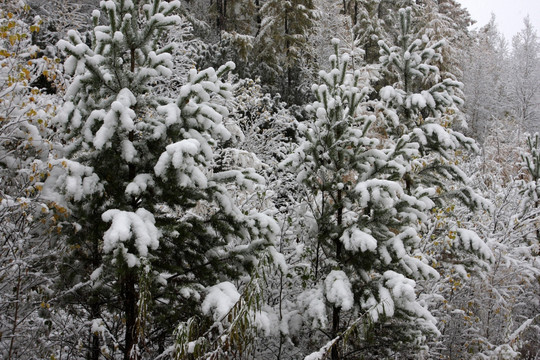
{"x":282,"y":46}
{"x":447,"y":20}
{"x":369,"y":28}
{"x":331,"y":23}
{"x":367,"y":224}
{"x":485,"y":78}
{"x":525,"y":84}
{"x":151,"y":222}
{"x":372,"y":171}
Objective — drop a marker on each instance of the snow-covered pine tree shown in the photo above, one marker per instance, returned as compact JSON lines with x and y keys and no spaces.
{"x":369,"y":28}
{"x":389,"y":12}
{"x":363,"y":261}
{"x":372,"y":172}
{"x":233,"y":25}
{"x":331,"y":23}
{"x":235,"y":16}
{"x":282,"y":47}
{"x":151,"y":224}
{"x":447,"y":20}
{"x":525,"y":81}
{"x":485,"y":79}
{"x":422,"y":106}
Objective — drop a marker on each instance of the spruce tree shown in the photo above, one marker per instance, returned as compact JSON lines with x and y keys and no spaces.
{"x":151,"y":221}
{"x":447,"y":20}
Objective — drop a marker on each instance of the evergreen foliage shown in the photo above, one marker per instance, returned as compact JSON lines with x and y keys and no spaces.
{"x":369,"y":28}
{"x":155,"y":204}
{"x":151,"y":224}
{"x":286,"y":27}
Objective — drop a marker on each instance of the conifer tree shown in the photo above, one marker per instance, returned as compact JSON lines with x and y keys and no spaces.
{"x":531,"y":162}
{"x":372,"y":171}
{"x":427,"y":107}
{"x":447,"y":20}
{"x":369,"y":28}
{"x":363,"y":255}
{"x":151,"y":222}
{"x":525,"y":67}
{"x":331,"y":23}
{"x":285,"y":27}
{"x":486,"y":78}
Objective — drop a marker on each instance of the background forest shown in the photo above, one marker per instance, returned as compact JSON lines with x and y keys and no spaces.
{"x":267,"y":179}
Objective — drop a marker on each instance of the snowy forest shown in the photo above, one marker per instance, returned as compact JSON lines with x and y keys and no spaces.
{"x":267,"y":179}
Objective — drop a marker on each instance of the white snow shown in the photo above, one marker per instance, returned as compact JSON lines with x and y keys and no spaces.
{"x":96,"y":273}
{"x":109,"y":5}
{"x":355,"y":239}
{"x":388,"y":93}
{"x":381,"y":193}
{"x":322,"y":353}
{"x":220,"y":300}
{"x":312,"y":303}
{"x":139,"y":184}
{"x":118,"y":36}
{"x":120,"y":115}
{"x":128,"y":151}
{"x":338,"y":290}
{"x":180,"y":156}
{"x":416,"y":100}
{"x":138,"y":226}
{"x":74,"y":179}
{"x":469,"y":240}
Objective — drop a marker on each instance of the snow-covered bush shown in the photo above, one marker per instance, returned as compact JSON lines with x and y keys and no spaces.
{"x":26,"y":219}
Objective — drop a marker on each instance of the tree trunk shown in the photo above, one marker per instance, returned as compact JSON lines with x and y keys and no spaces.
{"x":355,"y":18}
{"x":94,"y":300}
{"x":258,"y":18}
{"x":286,"y":90}
{"x":335,"y":330}
{"x":220,"y":21}
{"x":337,"y":309}
{"x":95,"y":349}
{"x":130,"y":299}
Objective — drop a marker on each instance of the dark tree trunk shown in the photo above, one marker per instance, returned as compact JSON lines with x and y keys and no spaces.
{"x":130,"y":299}
{"x":355,"y":18}
{"x":287,"y":90}
{"x":221,"y":6}
{"x":94,"y":300}
{"x":258,"y":18}
{"x":95,"y":348}
{"x":336,"y":309}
